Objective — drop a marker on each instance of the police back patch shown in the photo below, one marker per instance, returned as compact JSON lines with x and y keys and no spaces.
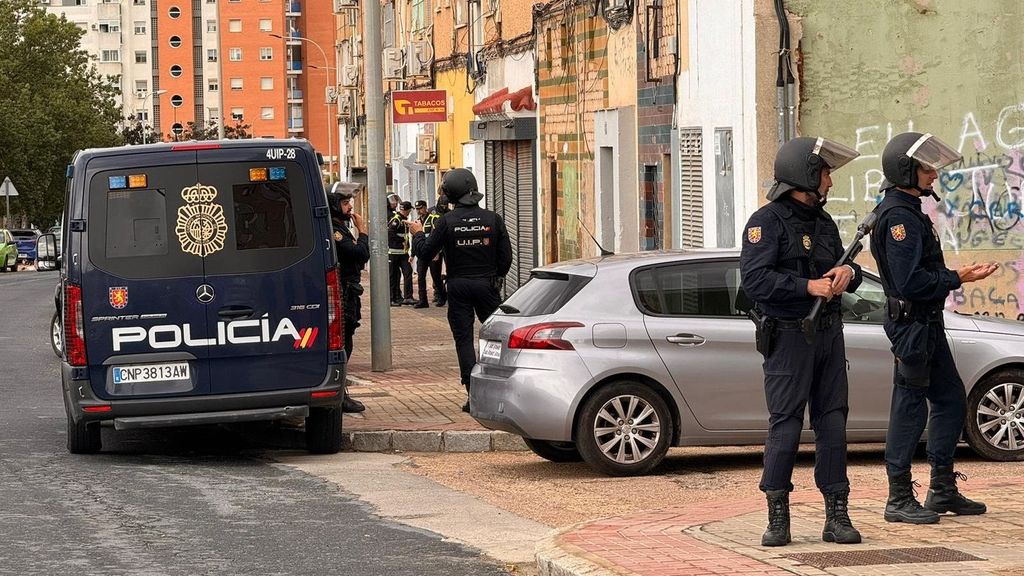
{"x":899,"y":233}
{"x":754,"y":234}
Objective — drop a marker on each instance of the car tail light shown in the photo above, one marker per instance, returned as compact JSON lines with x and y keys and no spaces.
{"x":543,"y":336}
{"x":335,"y":312}
{"x":74,"y":325}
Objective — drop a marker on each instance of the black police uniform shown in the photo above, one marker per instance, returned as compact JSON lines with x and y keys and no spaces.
{"x":478,"y":255}
{"x":431,"y":266}
{"x":398,"y":260}
{"x":913,"y":271}
{"x":353,"y":254}
{"x":786,"y":244}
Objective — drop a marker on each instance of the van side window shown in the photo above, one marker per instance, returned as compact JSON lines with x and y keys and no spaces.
{"x":264,"y":217}
{"x":136,"y":223}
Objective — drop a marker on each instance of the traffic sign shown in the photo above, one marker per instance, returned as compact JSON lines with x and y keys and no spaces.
{"x":7,"y":188}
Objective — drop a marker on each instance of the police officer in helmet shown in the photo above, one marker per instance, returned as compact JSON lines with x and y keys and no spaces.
{"x":788,"y":260}
{"x":352,"y":245}
{"x":916,"y":283}
{"x":478,"y":255}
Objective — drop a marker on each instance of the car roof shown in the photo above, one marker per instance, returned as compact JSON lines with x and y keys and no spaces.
{"x":633,"y":260}
{"x":169,"y":146}
{"x":24,"y":231}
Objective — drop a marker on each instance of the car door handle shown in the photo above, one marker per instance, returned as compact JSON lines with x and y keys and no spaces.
{"x":235,"y":312}
{"x":686,"y":339}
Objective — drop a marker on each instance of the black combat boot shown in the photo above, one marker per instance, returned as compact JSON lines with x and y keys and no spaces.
{"x":903,"y":506}
{"x":838,"y":527}
{"x":350,"y":405}
{"x":777,"y":533}
{"x":943,"y":495}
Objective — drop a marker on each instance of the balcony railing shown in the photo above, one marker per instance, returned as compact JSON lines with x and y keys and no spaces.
{"x":295,"y":65}
{"x":294,"y":8}
{"x":295,"y":124}
{"x":295,"y":94}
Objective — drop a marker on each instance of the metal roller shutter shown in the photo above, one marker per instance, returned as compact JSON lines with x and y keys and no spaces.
{"x":691,"y":186}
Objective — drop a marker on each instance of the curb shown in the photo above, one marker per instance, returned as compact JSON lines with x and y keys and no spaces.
{"x":555,"y":558}
{"x":454,"y":441}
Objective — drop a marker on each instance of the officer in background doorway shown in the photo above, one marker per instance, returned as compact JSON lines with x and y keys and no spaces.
{"x":916,"y":283}
{"x":478,"y":254}
{"x":352,"y":245}
{"x":789,"y":252}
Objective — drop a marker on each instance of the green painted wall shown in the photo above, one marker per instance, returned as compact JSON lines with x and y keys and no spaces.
{"x":955,"y":68}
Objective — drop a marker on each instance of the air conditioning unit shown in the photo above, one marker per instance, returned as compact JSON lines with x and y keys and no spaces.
{"x":345,"y":104}
{"x":419,"y":55}
{"x":425,"y":153}
{"x":341,"y":5}
{"x":393,"y":64}
{"x":349,"y":76}
{"x":141,"y":93}
{"x":95,"y":27}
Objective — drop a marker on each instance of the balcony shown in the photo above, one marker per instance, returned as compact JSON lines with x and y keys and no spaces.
{"x":293,"y":9}
{"x":295,"y":125}
{"x":294,"y":67}
{"x":292,"y":39}
{"x":294,"y":96}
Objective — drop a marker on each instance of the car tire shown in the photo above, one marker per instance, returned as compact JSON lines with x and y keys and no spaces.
{"x":596,"y":435}
{"x":554,"y":451}
{"x":323,"y":430}
{"x":57,"y":335}
{"x":83,"y":437}
{"x":993,"y":435}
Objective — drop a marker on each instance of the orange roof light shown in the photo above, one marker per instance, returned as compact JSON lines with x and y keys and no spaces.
{"x":136,"y":180}
{"x":258,"y":175}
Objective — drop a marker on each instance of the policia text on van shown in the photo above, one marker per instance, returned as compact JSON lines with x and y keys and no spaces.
{"x":202,"y":288}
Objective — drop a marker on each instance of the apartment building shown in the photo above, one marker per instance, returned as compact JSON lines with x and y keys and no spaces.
{"x":268,"y":64}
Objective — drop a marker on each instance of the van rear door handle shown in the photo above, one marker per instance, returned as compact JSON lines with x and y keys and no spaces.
{"x":235,"y":312}
{"x":686,"y":339}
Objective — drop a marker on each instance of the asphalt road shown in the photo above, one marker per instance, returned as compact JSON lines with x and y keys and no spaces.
{"x":201,"y":500}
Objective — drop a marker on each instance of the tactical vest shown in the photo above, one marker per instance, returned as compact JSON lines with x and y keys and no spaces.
{"x":808,"y":250}
{"x":471,"y":243}
{"x":430,"y":222}
{"x":397,"y":241}
{"x":931,"y":249}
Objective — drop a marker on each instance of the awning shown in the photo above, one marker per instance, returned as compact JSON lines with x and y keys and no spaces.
{"x":504,"y":104}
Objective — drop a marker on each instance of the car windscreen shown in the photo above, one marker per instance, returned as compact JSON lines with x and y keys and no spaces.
{"x":545,"y":293}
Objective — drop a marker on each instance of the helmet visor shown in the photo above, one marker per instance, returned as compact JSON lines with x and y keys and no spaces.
{"x":833,"y":153}
{"x":932,"y":152}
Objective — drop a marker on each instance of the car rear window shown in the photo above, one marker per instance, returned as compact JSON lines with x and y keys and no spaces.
{"x":545,"y":293}
{"x":23,"y":234}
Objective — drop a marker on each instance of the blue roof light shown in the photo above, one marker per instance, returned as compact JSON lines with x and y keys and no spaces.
{"x":277,"y":173}
{"x":118,"y":182}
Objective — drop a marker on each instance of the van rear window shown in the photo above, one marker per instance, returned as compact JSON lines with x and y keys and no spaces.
{"x":264,"y":216}
{"x":143,"y":214}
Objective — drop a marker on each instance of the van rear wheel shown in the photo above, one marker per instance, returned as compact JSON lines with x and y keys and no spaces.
{"x":323,"y":430}
{"x":56,"y":334}
{"x":83,"y":437}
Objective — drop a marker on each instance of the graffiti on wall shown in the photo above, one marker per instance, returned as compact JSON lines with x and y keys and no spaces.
{"x":979,"y":217}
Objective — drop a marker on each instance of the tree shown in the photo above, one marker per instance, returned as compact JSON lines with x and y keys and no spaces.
{"x":52,"y":103}
{"x":134,"y":132}
{"x":194,"y":131}
{"x":238,"y":131}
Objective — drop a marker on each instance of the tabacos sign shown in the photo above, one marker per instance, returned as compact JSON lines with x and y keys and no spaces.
{"x":412,"y":106}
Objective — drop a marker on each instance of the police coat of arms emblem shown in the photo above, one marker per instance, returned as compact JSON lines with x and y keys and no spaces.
{"x":202,"y":226}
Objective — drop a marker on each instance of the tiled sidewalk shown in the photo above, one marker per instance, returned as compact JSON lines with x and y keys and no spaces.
{"x":422,"y":391}
{"x":723,"y":537}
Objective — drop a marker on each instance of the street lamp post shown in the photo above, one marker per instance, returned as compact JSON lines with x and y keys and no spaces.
{"x":146,"y":97}
{"x":327,"y":75}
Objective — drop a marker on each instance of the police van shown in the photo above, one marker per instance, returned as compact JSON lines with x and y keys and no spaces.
{"x":199,"y":286}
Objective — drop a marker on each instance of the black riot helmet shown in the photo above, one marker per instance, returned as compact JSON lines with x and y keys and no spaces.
{"x":906,"y":152}
{"x":340,"y":191}
{"x":459,"y":185}
{"x":799,"y":162}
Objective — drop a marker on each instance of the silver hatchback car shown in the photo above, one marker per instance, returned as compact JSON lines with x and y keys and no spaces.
{"x":614,"y":360}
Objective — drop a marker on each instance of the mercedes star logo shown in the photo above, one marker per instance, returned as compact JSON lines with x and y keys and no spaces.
{"x":205,"y":293}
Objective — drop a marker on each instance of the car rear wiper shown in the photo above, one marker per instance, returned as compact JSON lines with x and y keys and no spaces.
{"x":508,"y":309}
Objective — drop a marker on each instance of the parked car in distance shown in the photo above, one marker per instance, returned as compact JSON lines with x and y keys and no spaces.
{"x":614,"y":360}
{"x":8,"y":252}
{"x":26,"y":239}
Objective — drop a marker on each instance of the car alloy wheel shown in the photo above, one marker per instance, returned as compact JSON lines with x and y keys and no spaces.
{"x":995,"y":422}
{"x":624,"y":429}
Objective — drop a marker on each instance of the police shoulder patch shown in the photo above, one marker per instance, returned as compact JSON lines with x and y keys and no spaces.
{"x":337,"y":236}
{"x":899,"y":233}
{"x":754,"y":234}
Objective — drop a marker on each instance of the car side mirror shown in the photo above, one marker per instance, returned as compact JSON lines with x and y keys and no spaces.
{"x":46,"y":253}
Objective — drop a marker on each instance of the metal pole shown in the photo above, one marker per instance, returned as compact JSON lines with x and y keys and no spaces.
{"x":380,"y":299}
{"x":327,"y":80}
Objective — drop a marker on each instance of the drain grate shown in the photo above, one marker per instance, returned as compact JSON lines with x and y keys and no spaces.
{"x":888,"y":556}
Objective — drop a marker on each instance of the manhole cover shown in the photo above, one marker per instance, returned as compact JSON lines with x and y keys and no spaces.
{"x":889,"y":556}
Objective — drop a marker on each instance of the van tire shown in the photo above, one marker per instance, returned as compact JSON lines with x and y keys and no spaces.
{"x":83,"y":437}
{"x":56,"y":335}
{"x":323,"y":430}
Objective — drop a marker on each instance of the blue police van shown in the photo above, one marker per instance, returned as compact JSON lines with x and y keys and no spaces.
{"x":199,"y":286}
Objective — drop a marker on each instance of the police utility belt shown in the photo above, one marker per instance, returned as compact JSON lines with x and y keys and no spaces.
{"x":906,"y":311}
{"x":766,"y":327}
